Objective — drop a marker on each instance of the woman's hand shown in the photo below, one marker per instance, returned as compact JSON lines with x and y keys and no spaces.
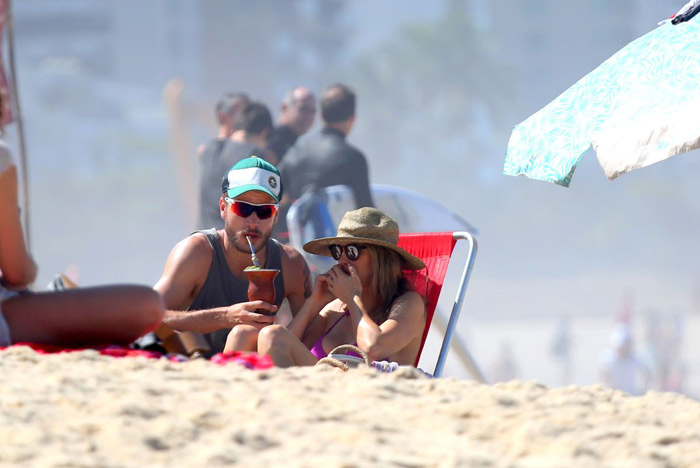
{"x":343,"y":285}
{"x":321,"y":294}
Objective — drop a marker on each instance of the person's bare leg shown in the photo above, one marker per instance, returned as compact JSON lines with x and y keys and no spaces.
{"x":284,"y":348}
{"x":84,"y":317}
{"x":242,"y":338}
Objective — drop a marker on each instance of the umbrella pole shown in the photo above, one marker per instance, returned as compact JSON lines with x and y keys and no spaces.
{"x":18,"y":118}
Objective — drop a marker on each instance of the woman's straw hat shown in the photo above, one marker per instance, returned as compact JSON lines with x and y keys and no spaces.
{"x":366,"y":226}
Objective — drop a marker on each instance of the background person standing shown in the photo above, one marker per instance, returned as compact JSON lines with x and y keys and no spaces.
{"x":326,"y":158}
{"x":297,"y":113}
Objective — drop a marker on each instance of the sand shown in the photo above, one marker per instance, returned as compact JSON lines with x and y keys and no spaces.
{"x":87,"y":410}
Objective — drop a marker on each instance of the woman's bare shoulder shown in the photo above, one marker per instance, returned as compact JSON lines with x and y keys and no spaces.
{"x":409,"y":302}
{"x":411,"y":297}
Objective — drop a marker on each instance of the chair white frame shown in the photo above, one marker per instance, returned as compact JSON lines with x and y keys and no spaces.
{"x":466,"y":357}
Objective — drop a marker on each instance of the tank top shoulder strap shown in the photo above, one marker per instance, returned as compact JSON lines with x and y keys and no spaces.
{"x":274,"y":254}
{"x":273,"y":260}
{"x":212,"y":236}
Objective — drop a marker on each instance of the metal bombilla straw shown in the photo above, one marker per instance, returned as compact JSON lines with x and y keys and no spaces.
{"x":252,"y":251}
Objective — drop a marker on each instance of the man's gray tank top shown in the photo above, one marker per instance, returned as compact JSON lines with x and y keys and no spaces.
{"x":222,"y":288}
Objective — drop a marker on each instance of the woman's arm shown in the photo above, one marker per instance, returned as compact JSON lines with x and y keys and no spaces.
{"x":17,"y":266}
{"x":309,"y":319}
{"x":406,"y":321}
{"x":297,"y":278}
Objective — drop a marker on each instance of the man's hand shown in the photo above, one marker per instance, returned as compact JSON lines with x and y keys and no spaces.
{"x":246,"y":313}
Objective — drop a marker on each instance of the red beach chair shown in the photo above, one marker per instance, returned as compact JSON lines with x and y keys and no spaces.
{"x":435,"y":249}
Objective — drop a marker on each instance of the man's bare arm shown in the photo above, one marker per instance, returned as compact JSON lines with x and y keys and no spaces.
{"x":297,"y":278}
{"x":307,"y":281}
{"x":210,"y":320}
{"x":185,"y":271}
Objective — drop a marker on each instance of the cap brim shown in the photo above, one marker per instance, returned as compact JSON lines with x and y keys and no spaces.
{"x":320,"y":247}
{"x":234,"y":192}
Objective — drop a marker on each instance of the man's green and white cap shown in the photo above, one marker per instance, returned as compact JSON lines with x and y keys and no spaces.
{"x":253,"y":173}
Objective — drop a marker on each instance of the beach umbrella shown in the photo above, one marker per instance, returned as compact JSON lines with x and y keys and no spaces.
{"x":640,"y":106}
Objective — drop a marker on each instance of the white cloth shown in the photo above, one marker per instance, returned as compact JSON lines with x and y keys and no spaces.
{"x":5,"y":157}
{"x":636,"y":139}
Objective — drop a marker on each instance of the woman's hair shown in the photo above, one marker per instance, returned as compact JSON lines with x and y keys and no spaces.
{"x":388,"y":280}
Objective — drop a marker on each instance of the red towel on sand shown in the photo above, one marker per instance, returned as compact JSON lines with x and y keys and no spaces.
{"x":247,"y":359}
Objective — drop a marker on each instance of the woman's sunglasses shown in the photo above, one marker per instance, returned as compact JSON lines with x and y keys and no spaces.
{"x":352,"y":251}
{"x":245,"y":209}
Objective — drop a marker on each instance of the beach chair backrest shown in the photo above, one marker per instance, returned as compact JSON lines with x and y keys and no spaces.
{"x":435,"y":249}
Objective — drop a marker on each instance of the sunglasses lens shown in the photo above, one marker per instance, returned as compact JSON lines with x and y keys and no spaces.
{"x":263,"y":212}
{"x":352,"y":252}
{"x":336,"y":251}
{"x":242,"y":209}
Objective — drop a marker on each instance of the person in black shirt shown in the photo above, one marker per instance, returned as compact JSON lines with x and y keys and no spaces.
{"x":227,"y":107}
{"x":297,"y":114}
{"x":251,"y":127}
{"x":325,"y":158}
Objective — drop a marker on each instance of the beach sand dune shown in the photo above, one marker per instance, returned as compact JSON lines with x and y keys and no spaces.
{"x":87,"y":410}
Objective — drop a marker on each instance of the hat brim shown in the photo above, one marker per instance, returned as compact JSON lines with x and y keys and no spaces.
{"x":240,"y":190}
{"x":320,"y":247}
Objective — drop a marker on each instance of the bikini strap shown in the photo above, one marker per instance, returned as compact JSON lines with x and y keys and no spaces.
{"x":345,"y":314}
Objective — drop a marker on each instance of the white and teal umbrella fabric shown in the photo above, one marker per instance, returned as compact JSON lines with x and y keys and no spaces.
{"x":640,"y":106}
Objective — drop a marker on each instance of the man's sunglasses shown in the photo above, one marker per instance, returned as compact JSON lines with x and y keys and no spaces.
{"x":352,"y":251}
{"x":245,"y":209}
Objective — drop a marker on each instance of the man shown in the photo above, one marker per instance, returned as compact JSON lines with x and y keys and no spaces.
{"x":227,"y":107}
{"x":203,"y":284}
{"x":326,"y":159}
{"x":251,"y":127}
{"x":297,"y":114}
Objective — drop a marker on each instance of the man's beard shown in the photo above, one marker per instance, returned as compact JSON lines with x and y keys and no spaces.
{"x":239,"y":242}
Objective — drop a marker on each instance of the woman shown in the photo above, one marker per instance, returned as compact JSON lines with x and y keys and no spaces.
{"x":80,"y":317}
{"x":363,"y":300}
